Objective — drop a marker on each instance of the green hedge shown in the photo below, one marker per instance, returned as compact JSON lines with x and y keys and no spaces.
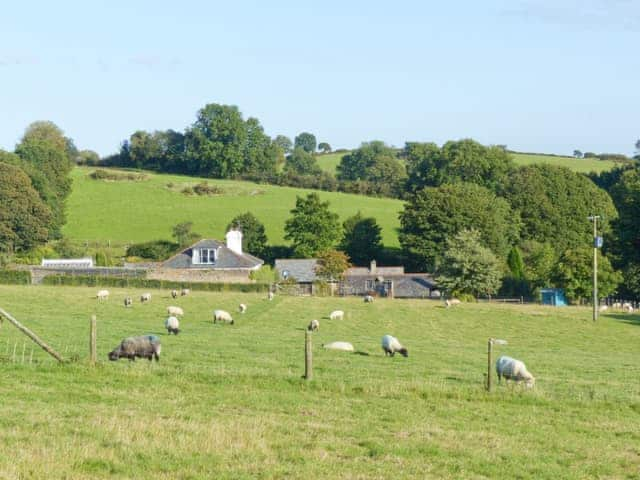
{"x":103,"y":281}
{"x":15,"y":277}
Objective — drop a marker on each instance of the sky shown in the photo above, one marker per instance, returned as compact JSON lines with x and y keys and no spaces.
{"x":538,"y":76}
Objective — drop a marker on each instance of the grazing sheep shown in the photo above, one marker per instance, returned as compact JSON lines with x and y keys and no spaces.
{"x":391,"y":346}
{"x":184,"y":292}
{"x":175,"y":311}
{"x":128,"y":301}
{"x":145,"y":346}
{"x":270,"y":296}
{"x":172,"y":324}
{"x":368,"y":299}
{"x":512,"y":369}
{"x":342,"y":346}
{"x":616,"y":305}
{"x":451,"y":301}
{"x":242,"y":308}
{"x":603,"y":308}
{"x":314,"y":326}
{"x":145,"y":297}
{"x":222,"y":316}
{"x":174,"y":293}
{"x":627,"y":308}
{"x":336,"y":315}
{"x":103,"y":295}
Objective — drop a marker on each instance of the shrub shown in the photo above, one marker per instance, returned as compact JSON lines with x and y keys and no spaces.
{"x":203,"y":188}
{"x":155,"y":250}
{"x":101,"y":174}
{"x":15,"y":277}
{"x":187,"y":191}
{"x":266,"y":274}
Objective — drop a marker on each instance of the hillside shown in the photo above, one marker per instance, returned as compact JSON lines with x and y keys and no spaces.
{"x":228,"y":401}
{"x":135,"y":211}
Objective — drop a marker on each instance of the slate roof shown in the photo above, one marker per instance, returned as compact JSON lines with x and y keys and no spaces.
{"x":380,"y":271}
{"x":227,"y":258}
{"x":302,"y":269}
{"x":408,"y":285}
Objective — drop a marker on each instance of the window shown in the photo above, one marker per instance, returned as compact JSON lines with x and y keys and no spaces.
{"x":206,"y":256}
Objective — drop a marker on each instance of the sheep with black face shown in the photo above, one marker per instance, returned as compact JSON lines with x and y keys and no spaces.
{"x":144,"y":346}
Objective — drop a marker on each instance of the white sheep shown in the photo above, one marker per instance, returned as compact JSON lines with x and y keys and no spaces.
{"x":172,"y":324}
{"x":603,"y":308}
{"x":242,"y":308}
{"x":451,"y":301}
{"x":616,"y":305}
{"x":627,"y":308}
{"x":128,"y":301}
{"x":174,"y":293}
{"x":145,"y":297}
{"x":391,"y":346}
{"x":222,"y":316}
{"x":103,"y":295}
{"x":336,"y":315}
{"x":314,"y":326}
{"x":342,"y":346}
{"x":368,"y":299}
{"x":270,"y":296}
{"x":184,"y":292}
{"x":512,"y":369}
{"x":175,"y":311}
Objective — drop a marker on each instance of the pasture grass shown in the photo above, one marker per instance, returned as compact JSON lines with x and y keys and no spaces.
{"x":229,"y":402}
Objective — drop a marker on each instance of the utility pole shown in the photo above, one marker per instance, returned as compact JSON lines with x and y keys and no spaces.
{"x":597,"y":243}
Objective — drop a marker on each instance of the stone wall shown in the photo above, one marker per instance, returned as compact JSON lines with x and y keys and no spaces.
{"x":199,"y":275}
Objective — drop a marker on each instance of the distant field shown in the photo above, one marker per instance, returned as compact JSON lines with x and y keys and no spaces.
{"x":127,"y":211}
{"x":330,"y":161}
{"x":227,"y":402}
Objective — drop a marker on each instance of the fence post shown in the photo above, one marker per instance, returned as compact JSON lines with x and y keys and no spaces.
{"x":308,"y":356}
{"x":489,"y":351}
{"x":92,"y":341}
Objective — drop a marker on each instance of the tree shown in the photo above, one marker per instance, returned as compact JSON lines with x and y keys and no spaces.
{"x":361,"y":239}
{"x":87,"y":157}
{"x":515,"y":263}
{"x":254,"y":238}
{"x":577,"y":153}
{"x":284,"y":143}
{"x":539,"y":261}
{"x":468,"y":267}
{"x":625,"y":244}
{"x":637,"y":149}
{"x":312,"y":228}
{"x":24,"y":218}
{"x":302,"y":163}
{"x":331,"y":265}
{"x":183,"y":234}
{"x":324,"y":147}
{"x":433,"y":215}
{"x":307,"y":141}
{"x":260,"y":153}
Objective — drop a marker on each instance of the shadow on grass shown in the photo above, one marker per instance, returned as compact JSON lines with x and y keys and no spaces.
{"x":359,"y":352}
{"x":625,"y":318}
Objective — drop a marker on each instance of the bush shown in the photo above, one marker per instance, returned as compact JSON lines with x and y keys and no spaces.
{"x":35,"y":255}
{"x":155,"y":250}
{"x":104,"y":258}
{"x":187,"y":191}
{"x":15,"y":277}
{"x":266,"y":274}
{"x":101,"y":174}
{"x":203,"y":188}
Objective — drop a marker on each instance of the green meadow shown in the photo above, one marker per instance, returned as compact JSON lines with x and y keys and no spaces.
{"x":228,"y":402}
{"x":135,"y":211}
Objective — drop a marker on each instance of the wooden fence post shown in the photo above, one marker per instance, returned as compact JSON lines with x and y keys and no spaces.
{"x":489,"y":351}
{"x":308,"y":356}
{"x":92,"y":341}
{"x":31,"y":335}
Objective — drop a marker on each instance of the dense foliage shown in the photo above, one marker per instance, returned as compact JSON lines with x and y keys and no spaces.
{"x":154,"y":250}
{"x":331,"y":265}
{"x":254,"y":238}
{"x":362,"y":240}
{"x":312,"y":227}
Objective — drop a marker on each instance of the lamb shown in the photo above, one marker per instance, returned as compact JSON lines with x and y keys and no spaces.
{"x":174,"y":293}
{"x":175,"y":311}
{"x":242,"y":308}
{"x":145,"y":297}
{"x":342,"y":346}
{"x":145,"y":346}
{"x":336,"y":315}
{"x":128,"y":301}
{"x":270,"y":296}
{"x":512,"y":369}
{"x":451,"y":301}
{"x":103,"y":295}
{"x":184,"y":292}
{"x":391,"y":346}
{"x":368,"y":299}
{"x":314,"y":326}
{"x":222,"y":316}
{"x":172,"y":324}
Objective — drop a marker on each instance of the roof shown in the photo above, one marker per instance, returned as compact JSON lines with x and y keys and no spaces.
{"x":409,"y":285}
{"x":301,"y":269}
{"x":226,"y":259}
{"x":379,"y":271}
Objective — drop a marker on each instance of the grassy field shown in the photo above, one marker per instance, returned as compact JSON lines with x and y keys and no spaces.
{"x":229,"y":401}
{"x":124,"y":212}
{"x":584,"y":165}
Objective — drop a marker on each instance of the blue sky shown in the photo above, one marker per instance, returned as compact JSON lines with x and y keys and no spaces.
{"x":547,"y":76}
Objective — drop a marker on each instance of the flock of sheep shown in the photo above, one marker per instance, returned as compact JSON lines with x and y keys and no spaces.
{"x":149,"y":347}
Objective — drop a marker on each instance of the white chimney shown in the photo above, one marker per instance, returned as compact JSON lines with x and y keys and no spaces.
{"x":234,"y":240}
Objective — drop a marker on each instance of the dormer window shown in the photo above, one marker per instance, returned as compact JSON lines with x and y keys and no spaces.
{"x":204,"y":256}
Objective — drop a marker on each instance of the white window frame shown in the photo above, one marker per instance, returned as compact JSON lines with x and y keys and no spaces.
{"x":211,"y":256}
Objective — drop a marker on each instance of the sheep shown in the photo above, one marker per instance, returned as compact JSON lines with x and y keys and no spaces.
{"x":184,"y":292}
{"x":451,"y":301}
{"x":128,"y":301}
{"x":616,"y":305}
{"x":172,"y":324}
{"x":336,"y":315}
{"x":145,"y":346}
{"x":603,"y":308}
{"x":270,"y":296}
{"x":512,"y":369}
{"x":242,"y":308}
{"x":145,"y":297}
{"x":222,"y":316}
{"x":103,"y":295}
{"x":314,"y":326}
{"x":368,"y":299}
{"x":627,"y":308}
{"x":175,"y":311}
{"x":342,"y":346}
{"x":391,"y":346}
{"x":174,"y":293}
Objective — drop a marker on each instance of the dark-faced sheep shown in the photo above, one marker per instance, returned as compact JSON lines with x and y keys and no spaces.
{"x":368,"y":299}
{"x":512,"y":369}
{"x":145,"y":297}
{"x":184,"y":292}
{"x":391,"y":345}
{"x":128,"y":301}
{"x":222,"y":316}
{"x":145,"y":346}
{"x":242,"y":308}
{"x":172,"y":324}
{"x":314,"y":326}
{"x":103,"y":295}
{"x":174,"y":293}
